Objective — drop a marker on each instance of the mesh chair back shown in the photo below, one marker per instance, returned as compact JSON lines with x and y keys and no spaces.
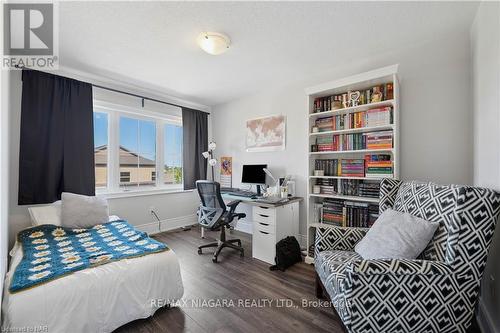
{"x":212,"y":205}
{"x":210,"y":194}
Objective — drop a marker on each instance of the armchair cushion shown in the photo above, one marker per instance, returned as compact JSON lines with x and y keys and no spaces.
{"x":396,"y":235}
{"x":337,"y":238}
{"x":398,"y":267}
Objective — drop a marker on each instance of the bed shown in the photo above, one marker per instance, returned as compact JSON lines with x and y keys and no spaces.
{"x":98,"y":299}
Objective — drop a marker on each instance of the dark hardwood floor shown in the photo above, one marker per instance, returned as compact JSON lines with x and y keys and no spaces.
{"x":235,"y":280}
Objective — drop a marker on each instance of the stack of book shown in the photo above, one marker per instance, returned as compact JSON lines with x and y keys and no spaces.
{"x":379,"y":140}
{"x":369,"y":189}
{"x":349,"y":187}
{"x":325,"y":143}
{"x":354,"y":141}
{"x":378,"y":166}
{"x":330,"y":167}
{"x":333,"y":212}
{"x":349,"y":213}
{"x":352,"y":167}
{"x":327,"y":186}
{"x":325,"y":124}
{"x":379,"y":117}
{"x":362,"y":188}
{"x":356,"y":214}
{"x":372,"y":214}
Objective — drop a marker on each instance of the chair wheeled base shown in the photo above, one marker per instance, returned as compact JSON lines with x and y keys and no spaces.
{"x":222,"y":243}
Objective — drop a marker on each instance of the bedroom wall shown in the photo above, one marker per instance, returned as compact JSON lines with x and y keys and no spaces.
{"x":174,"y":209}
{"x":436,"y":132}
{"x":485,"y":46}
{"x":4,"y":194}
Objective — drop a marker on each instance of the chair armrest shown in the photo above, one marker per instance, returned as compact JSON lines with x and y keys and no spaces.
{"x":337,"y":238}
{"x":399,"y":267}
{"x":232,"y":205}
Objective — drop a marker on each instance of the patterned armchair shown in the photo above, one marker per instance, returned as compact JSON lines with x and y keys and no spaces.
{"x":438,"y":291}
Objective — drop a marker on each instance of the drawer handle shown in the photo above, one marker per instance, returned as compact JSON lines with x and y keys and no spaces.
{"x":266,"y":224}
{"x":263,"y":232}
{"x":264,"y":215}
{"x":263,"y":207}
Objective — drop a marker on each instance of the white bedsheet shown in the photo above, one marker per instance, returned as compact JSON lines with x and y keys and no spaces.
{"x":98,"y":299}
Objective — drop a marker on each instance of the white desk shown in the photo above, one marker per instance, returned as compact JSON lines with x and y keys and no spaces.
{"x":268,"y":223}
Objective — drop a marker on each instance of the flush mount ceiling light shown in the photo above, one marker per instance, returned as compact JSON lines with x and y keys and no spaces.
{"x":213,"y":42}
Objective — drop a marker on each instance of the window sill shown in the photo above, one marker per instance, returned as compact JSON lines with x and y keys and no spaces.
{"x":139,"y":193}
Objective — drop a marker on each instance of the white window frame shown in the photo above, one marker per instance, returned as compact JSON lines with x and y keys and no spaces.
{"x":114,"y":111}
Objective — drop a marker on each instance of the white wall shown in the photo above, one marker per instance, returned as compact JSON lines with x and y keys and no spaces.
{"x":436,"y":130}
{"x":4,"y":191}
{"x":174,"y":209}
{"x":485,"y":46}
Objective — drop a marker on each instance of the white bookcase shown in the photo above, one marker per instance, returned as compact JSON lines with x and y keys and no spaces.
{"x":357,"y":82}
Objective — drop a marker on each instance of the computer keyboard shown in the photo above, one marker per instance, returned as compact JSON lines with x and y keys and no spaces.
{"x":237,"y":192}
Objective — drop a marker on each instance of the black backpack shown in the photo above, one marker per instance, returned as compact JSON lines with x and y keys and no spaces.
{"x":287,"y":253}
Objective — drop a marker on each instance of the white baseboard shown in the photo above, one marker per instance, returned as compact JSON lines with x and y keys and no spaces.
{"x":168,"y":224}
{"x":483,"y":317}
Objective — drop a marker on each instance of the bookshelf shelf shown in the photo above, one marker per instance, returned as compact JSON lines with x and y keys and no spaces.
{"x":360,"y":151}
{"x":344,"y":177}
{"x":346,"y":197}
{"x":352,"y":109}
{"x":355,"y":130}
{"x":356,"y":209}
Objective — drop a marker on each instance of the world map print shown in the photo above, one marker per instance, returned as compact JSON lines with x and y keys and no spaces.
{"x":266,"y":134}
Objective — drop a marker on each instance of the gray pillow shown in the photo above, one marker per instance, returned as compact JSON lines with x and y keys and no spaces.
{"x":81,"y":211}
{"x":396,"y":235}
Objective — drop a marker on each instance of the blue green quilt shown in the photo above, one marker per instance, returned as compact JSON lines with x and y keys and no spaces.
{"x":51,"y":252}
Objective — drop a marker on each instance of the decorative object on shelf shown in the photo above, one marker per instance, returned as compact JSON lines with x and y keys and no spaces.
{"x":226,"y":171}
{"x":316,"y":189}
{"x":315,"y":129}
{"x":209,"y":155}
{"x":319,"y":173}
{"x":354,"y":98}
{"x":266,"y":133}
{"x":314,"y":148}
{"x":376,"y":95}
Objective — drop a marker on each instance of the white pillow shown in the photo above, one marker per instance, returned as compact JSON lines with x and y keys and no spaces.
{"x":396,"y":235}
{"x":49,"y":214}
{"x":81,"y":211}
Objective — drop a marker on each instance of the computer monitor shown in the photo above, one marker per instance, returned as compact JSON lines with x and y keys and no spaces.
{"x":254,"y":174}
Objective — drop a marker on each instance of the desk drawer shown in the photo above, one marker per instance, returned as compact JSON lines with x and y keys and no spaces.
{"x":262,"y":210}
{"x":264,"y":246}
{"x":264,"y":218}
{"x":266,"y":227}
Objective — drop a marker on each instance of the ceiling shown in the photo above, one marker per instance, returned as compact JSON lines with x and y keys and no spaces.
{"x":153,"y":44}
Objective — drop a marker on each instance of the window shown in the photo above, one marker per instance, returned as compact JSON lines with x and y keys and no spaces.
{"x":136,"y":151}
{"x":173,"y":154}
{"x":124,"y":177}
{"x":101,"y":149}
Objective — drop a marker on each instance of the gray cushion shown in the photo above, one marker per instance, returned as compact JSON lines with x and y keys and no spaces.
{"x":396,"y":235}
{"x":81,"y":211}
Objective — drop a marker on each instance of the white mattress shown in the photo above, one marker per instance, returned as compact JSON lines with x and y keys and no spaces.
{"x":98,"y":299}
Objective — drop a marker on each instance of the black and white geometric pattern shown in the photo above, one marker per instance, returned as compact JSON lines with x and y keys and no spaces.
{"x":337,"y":238}
{"x":436,"y":292}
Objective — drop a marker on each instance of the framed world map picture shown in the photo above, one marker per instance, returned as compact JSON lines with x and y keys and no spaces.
{"x":266,"y":134}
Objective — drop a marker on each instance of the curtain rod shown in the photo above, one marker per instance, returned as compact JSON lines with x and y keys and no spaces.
{"x":121,"y":92}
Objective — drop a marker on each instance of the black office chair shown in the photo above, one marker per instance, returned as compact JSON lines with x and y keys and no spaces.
{"x":213,"y":215}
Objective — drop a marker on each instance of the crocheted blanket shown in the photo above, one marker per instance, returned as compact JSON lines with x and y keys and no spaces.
{"x":51,"y":252}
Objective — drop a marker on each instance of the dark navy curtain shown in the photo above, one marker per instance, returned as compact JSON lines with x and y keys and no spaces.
{"x":195,"y":142}
{"x":57,"y":138}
